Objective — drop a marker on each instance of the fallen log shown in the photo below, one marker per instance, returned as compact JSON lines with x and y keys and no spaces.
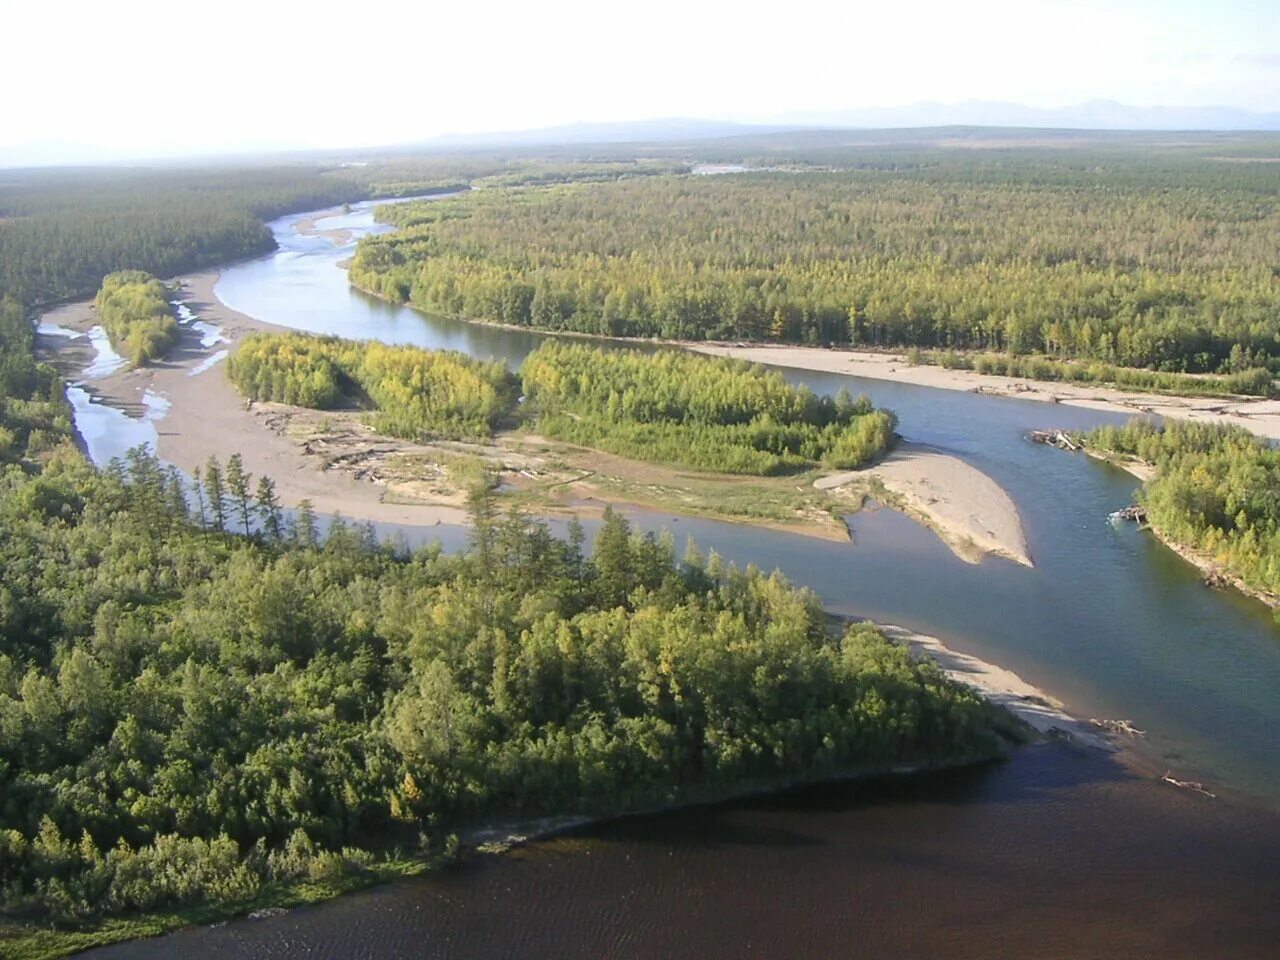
{"x":1195,"y":785}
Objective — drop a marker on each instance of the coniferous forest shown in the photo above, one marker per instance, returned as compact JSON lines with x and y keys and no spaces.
{"x":1167,"y":267}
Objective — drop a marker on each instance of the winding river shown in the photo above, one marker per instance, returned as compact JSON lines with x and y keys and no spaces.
{"x":1055,"y":853}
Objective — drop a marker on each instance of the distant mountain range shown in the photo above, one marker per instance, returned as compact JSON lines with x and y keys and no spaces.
{"x":628,"y":131}
{"x":1093,"y":115}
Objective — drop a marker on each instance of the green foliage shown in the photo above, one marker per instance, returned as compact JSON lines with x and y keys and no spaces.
{"x":190,"y":716}
{"x":695,"y":411}
{"x":1216,"y":489}
{"x":135,"y":312}
{"x":34,"y":417}
{"x":413,"y":392}
{"x":1167,"y":266}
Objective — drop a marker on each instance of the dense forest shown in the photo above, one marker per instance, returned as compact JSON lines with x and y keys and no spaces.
{"x":187,"y":714}
{"x":414,"y":393}
{"x":34,"y":416}
{"x":695,"y":411}
{"x":62,"y":231}
{"x":135,"y":311}
{"x":1172,"y":272}
{"x":1216,"y":490}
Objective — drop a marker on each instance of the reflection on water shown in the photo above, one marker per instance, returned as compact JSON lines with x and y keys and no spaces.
{"x":108,"y":432}
{"x":106,"y":361}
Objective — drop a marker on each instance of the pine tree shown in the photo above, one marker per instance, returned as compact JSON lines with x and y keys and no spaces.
{"x":305,"y":532}
{"x":216,"y":493}
{"x":197,"y":478}
{"x":269,"y":508}
{"x":238,"y":486}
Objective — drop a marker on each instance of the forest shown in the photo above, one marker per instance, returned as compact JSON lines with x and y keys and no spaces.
{"x":190,"y":714}
{"x":689,"y":410}
{"x":1167,"y":267}
{"x":135,"y":311}
{"x":414,"y":393}
{"x":62,"y":231}
{"x":669,"y":406}
{"x":1216,"y":490}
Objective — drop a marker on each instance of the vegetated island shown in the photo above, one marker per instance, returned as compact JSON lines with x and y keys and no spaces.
{"x":135,"y":311}
{"x":578,"y":423}
{"x":1208,"y":493}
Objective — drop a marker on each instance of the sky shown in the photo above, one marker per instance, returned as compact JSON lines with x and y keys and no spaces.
{"x":103,"y":80}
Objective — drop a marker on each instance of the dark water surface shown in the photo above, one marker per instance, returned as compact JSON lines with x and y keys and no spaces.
{"x":1055,"y":853}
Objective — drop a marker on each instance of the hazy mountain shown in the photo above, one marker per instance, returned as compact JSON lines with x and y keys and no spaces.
{"x":1093,"y":115}
{"x":629,"y":131}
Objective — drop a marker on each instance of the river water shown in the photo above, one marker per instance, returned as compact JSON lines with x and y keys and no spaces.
{"x":1054,"y":853}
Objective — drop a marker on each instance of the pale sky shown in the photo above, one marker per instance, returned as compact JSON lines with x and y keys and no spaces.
{"x":107,"y":80}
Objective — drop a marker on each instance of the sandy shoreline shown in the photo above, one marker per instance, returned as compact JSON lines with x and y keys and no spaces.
{"x":1046,"y":714}
{"x":969,"y":511}
{"x":207,"y":417}
{"x":1258,"y":415}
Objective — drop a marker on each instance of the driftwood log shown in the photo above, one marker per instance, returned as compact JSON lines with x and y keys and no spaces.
{"x":1118,"y":726}
{"x":1195,"y":785}
{"x":1054,"y":438}
{"x":1135,"y":513}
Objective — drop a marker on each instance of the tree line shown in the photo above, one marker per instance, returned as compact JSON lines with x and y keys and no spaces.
{"x":34,"y":416}
{"x":1173,"y":276}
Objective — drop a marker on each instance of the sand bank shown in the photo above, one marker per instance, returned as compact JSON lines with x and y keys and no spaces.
{"x":1259,"y":415}
{"x":309,"y":227}
{"x":207,"y":417}
{"x":341,"y":465}
{"x":966,"y":508}
{"x":1004,"y":687}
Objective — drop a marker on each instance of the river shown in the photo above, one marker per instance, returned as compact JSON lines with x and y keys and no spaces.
{"x":1053,"y":853}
